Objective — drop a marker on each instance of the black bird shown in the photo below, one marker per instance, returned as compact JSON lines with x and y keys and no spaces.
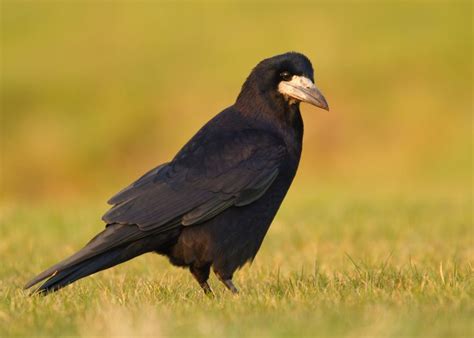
{"x":212,"y":204}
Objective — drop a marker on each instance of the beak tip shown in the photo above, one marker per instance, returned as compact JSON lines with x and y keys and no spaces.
{"x":324,"y":105}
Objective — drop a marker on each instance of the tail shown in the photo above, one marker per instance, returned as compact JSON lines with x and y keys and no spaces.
{"x":116,"y":244}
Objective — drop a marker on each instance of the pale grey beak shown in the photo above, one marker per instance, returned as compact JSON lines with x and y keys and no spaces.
{"x":303,"y":89}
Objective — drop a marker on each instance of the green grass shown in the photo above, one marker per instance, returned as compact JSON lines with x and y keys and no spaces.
{"x":381,"y":245}
{"x":336,"y":263}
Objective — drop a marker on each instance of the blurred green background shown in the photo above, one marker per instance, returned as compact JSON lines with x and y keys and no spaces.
{"x":375,"y":238}
{"x":95,"y":93}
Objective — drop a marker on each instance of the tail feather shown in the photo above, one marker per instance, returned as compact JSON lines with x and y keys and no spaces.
{"x":84,"y":269}
{"x":116,"y":244}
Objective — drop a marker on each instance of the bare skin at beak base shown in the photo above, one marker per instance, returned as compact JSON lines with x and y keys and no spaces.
{"x":303,"y":89}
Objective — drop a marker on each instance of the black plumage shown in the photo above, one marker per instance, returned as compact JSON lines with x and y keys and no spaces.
{"x":212,"y":204}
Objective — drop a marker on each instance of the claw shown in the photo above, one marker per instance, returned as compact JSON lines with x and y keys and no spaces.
{"x":230,"y":285}
{"x":207,"y":289}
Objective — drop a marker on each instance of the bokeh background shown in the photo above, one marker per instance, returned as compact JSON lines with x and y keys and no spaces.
{"x":375,"y":238}
{"x":96,"y":92}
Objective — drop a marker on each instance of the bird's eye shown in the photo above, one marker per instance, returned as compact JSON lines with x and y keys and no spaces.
{"x":286,"y":76}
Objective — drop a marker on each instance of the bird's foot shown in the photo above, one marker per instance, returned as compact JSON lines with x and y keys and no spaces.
{"x":207,"y":289}
{"x":230,"y":285}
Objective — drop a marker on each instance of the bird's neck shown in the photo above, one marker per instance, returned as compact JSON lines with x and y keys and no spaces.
{"x":270,"y":108}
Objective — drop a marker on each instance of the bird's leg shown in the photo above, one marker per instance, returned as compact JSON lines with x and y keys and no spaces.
{"x":207,"y":289}
{"x":230,"y":285}
{"x":201,"y":273}
{"x":227,"y":281}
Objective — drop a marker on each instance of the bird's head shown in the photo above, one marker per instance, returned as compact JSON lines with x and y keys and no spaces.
{"x":287,"y":79}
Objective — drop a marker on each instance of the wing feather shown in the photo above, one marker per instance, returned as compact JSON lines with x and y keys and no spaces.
{"x":205,"y":178}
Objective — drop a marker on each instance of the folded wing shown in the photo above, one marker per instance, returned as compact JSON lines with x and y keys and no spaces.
{"x":210,"y":174}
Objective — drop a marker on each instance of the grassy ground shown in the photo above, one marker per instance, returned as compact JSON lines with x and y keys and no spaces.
{"x":333,"y":264}
{"x":94,"y":93}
